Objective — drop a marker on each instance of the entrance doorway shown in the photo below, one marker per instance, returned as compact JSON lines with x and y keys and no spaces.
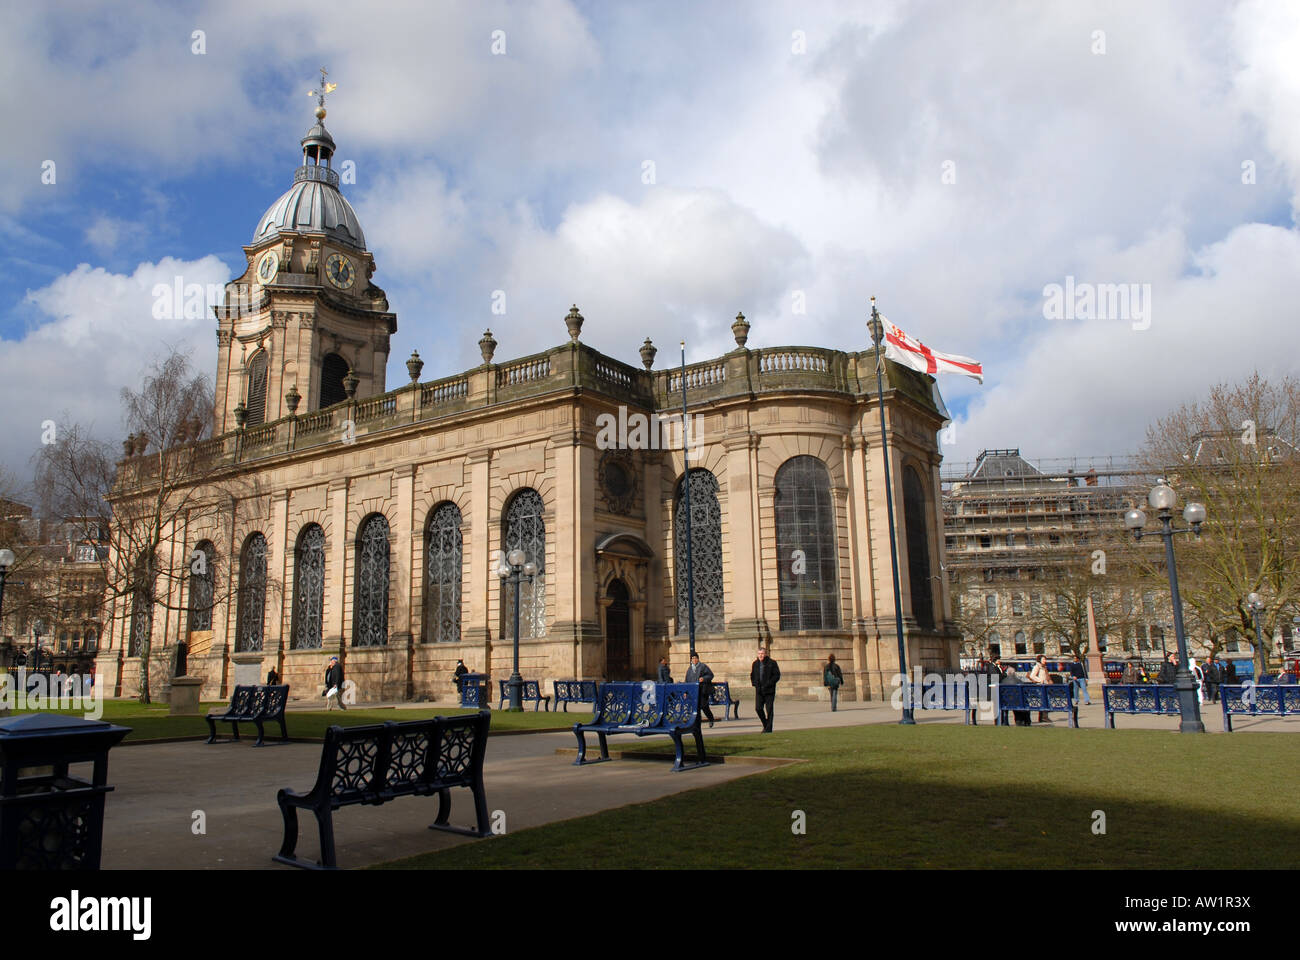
{"x":618,"y":633}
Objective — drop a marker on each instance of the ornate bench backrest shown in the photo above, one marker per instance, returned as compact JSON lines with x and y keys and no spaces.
{"x":241,"y":701}
{"x":461,"y":743}
{"x":408,"y":753}
{"x":561,"y":689}
{"x":531,"y":690}
{"x":274,"y":700}
{"x":350,"y":759}
{"x":616,"y":702}
{"x":587,"y":690}
{"x":720,"y":694}
{"x":680,"y":706}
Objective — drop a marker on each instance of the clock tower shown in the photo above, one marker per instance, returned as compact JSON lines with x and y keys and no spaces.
{"x":304,"y":317}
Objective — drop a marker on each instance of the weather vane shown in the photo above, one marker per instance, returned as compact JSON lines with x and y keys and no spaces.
{"x":325,"y":87}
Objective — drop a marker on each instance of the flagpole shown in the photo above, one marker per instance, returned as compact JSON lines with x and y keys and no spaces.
{"x":877,"y":337}
{"x":686,"y":482}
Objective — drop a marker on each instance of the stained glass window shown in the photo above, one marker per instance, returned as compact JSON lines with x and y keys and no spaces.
{"x":256,"y":403}
{"x":332,"y":371}
{"x":442,"y":575}
{"x":370,"y":598}
{"x":252,"y":594}
{"x":918,"y":549}
{"x":806,"y":550}
{"x":525,"y":529}
{"x":308,"y":589}
{"x":141,"y":607}
{"x":706,"y":554}
{"x":201,"y":581}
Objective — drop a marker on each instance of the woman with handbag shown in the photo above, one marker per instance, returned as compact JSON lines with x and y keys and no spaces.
{"x":833,"y":677}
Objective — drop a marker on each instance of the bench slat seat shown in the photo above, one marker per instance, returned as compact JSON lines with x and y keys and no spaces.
{"x":1138,"y":698}
{"x":375,"y":763}
{"x":953,"y":692}
{"x":623,"y":708}
{"x":1043,"y":697}
{"x":1256,"y":700}
{"x":258,"y":705}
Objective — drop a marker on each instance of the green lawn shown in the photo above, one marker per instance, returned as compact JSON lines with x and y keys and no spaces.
{"x":152,"y":723}
{"x":945,"y":796}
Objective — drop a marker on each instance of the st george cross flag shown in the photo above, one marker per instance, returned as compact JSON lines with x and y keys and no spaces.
{"x":901,"y":348}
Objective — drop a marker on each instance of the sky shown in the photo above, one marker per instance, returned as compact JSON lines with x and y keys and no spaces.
{"x":666,"y":165}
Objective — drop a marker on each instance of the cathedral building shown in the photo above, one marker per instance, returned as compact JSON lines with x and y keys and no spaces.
{"x":369,"y":522}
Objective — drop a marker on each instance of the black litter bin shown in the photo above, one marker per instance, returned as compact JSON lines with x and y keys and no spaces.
{"x":48,"y":819}
{"x":474,"y":690}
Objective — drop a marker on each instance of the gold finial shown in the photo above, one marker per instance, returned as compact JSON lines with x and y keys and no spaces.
{"x":325,"y":87}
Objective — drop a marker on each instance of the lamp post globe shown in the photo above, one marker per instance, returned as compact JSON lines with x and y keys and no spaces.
{"x":1135,"y":520}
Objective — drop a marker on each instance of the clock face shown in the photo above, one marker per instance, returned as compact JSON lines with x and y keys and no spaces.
{"x":267,"y":266}
{"x":339,"y":271}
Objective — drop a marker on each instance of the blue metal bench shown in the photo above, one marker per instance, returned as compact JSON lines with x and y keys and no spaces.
{"x":531,"y":692}
{"x":258,"y":705}
{"x":1253,"y":700}
{"x":574,"y":691}
{"x":1043,"y":697}
{"x":958,"y":691}
{"x":1139,"y":698}
{"x":378,"y":762}
{"x":645,"y":709}
{"x":721,"y":696}
{"x":474,"y":690}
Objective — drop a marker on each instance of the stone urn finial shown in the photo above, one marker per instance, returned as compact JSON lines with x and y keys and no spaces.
{"x":128,"y":445}
{"x":648,"y":351}
{"x":573,"y":320}
{"x":740,"y":329}
{"x":292,"y":399}
{"x":414,"y":365}
{"x":487,"y":345}
{"x":350,"y":384}
{"x":241,"y":415}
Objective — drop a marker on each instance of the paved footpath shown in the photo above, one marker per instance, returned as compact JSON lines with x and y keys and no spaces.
{"x":149,"y":818}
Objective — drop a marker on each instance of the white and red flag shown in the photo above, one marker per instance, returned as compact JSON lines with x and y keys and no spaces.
{"x":903,"y":349}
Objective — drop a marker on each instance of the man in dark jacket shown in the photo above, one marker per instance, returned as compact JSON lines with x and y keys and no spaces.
{"x":664,"y":675}
{"x":1168,"y":671}
{"x":764,"y":675}
{"x":334,"y":681}
{"x":700,"y":673}
{"x":1080,"y":674}
{"x":1212,"y":678}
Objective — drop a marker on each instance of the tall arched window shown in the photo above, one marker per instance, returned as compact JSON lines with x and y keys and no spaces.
{"x":141,"y":606}
{"x":332,"y":371}
{"x":918,"y":549}
{"x":252,"y":594}
{"x":370,"y":597}
{"x":524,"y":528}
{"x":706,"y":554}
{"x":1021,"y":649}
{"x":806,"y":551}
{"x":256,"y":402}
{"x":201,"y":582}
{"x":308,"y":589}
{"x":442,"y":575}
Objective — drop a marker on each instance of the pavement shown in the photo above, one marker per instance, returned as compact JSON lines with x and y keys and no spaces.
{"x":165,"y":792}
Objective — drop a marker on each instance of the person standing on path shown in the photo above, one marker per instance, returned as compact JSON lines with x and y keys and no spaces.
{"x":664,"y":675}
{"x":833,"y":677}
{"x":1080,"y":673}
{"x":334,"y":683}
{"x":1168,"y":671}
{"x":1013,"y":679}
{"x":1040,"y":676}
{"x":700,"y":673}
{"x":764,"y":675}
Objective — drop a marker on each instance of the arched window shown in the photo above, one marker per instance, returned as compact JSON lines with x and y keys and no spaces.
{"x":201,"y":582}
{"x":1021,"y":649}
{"x":523,"y":528}
{"x":91,"y":639}
{"x":442,"y":575}
{"x":1040,"y":645}
{"x":370,"y":597}
{"x":141,"y":606}
{"x":252,"y":595}
{"x":332,"y":371}
{"x":991,"y":605}
{"x":918,"y":549}
{"x":807,"y":554}
{"x":308,"y":588}
{"x":63,"y":642}
{"x":706,"y":554}
{"x":995,"y":644}
{"x":256,"y":402}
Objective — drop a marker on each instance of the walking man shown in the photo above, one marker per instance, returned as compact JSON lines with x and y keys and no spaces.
{"x":764,"y":675}
{"x":334,"y":684}
{"x":833,"y":677}
{"x":1079,"y":671}
{"x":700,"y":673}
{"x":665,"y":675}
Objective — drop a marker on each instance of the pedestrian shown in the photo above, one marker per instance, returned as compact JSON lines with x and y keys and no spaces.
{"x":1040,"y":675}
{"x":833,"y":677}
{"x":459,"y":672}
{"x":1079,"y":671}
{"x":664,"y":675}
{"x":764,"y":675}
{"x":1229,"y":672}
{"x":1013,"y":679}
{"x":1198,"y":677}
{"x":272,"y":678}
{"x":1212,"y":677}
{"x":334,"y":684}
{"x":1168,"y":671}
{"x":700,"y":673}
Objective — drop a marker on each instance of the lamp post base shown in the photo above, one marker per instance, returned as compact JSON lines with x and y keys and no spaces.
{"x":516,"y":687}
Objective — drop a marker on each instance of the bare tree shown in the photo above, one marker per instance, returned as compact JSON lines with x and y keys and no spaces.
{"x":169,"y":480}
{"x":1064,"y":610}
{"x":1236,"y":452}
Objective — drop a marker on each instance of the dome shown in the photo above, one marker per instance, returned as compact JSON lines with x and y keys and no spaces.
{"x":312,"y":205}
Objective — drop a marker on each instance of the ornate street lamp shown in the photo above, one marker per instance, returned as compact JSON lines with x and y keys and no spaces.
{"x":1255,"y":604}
{"x":1162,"y":500}
{"x":514,"y":570}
